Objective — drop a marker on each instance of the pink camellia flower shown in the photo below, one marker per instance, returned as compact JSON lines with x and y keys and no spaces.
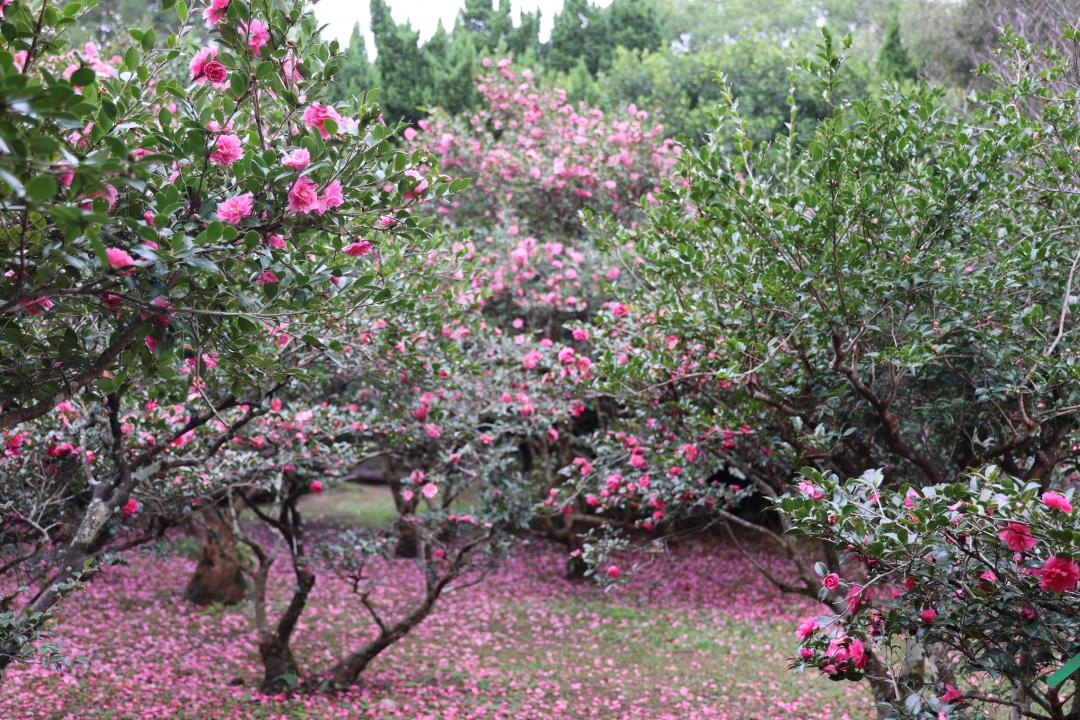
{"x":119,"y":258}
{"x":304,"y":196}
{"x":619,"y":310}
{"x":130,"y":507}
{"x":201,"y":70}
{"x":109,"y":194}
{"x":952,"y":694}
{"x":857,"y":650}
{"x":806,"y":628}
{"x":315,"y":487}
{"x":613,"y":571}
{"x":215,"y":72}
{"x":928,"y":615}
{"x":266,"y":278}
{"x":1059,"y":574}
{"x":215,"y":11}
{"x":358,"y":248}
{"x":36,"y":306}
{"x":227,"y":150}
{"x":1018,"y":537}
{"x":257,"y":35}
{"x":1057,"y":501}
{"x":331,"y":197}
{"x":316,"y":115}
{"x":276,"y":242}
{"x":298,"y":159}
{"x":831,"y":581}
{"x":429,"y":490}
{"x":234,"y":209}
{"x":854,"y":598}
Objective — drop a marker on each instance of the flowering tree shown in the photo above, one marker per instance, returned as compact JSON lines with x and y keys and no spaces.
{"x":175,"y":217}
{"x":967,"y":591}
{"x":537,"y":160}
{"x":897,"y":294}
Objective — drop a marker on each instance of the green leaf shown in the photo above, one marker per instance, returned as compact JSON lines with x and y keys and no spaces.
{"x":83,"y":77}
{"x":42,"y":188}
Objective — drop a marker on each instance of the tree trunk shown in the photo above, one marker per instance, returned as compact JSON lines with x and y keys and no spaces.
{"x":218,"y":577}
{"x":575,"y":565}
{"x":280,"y":670}
{"x":346,"y":672}
{"x":408,"y":540}
{"x":884,"y":692}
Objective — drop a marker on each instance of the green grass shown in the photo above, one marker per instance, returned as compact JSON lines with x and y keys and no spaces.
{"x":367,"y":505}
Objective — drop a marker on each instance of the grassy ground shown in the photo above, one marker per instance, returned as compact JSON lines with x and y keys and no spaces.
{"x":368,"y":505}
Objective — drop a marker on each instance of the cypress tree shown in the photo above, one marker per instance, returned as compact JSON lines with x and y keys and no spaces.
{"x":894,"y":63}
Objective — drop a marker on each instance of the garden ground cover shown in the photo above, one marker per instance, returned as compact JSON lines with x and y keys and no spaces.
{"x":692,"y":634}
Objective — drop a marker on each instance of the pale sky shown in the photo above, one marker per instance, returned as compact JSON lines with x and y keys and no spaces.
{"x":423,"y":15}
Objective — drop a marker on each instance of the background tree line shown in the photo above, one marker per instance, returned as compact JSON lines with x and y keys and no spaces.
{"x":667,"y":56}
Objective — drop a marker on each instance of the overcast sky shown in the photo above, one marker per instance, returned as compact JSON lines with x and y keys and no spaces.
{"x":424,"y":15}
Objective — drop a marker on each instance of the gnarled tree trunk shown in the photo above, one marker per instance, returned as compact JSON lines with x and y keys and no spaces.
{"x":218,"y":576}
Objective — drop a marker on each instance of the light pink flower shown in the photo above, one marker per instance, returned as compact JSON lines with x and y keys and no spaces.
{"x":298,"y":159}
{"x":227,"y":150}
{"x":304,"y":196}
{"x":234,"y":209}
{"x":316,"y":115}
{"x":429,"y":490}
{"x":257,"y":35}
{"x":807,"y":628}
{"x":331,"y":197}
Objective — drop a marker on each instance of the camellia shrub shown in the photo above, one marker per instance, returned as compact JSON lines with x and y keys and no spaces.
{"x":536,"y":159}
{"x":899,"y":292}
{"x":187,"y":224}
{"x":966,"y":593}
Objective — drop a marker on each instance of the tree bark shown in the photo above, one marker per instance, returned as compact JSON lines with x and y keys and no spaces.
{"x":408,"y":540}
{"x":346,"y":672}
{"x":280,"y":670}
{"x":218,"y":577}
